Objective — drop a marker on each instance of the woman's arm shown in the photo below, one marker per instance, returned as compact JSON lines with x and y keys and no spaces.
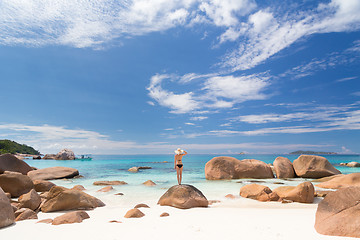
{"x":184,"y":153}
{"x":174,"y":163}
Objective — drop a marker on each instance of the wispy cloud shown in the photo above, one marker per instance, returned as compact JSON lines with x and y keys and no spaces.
{"x":309,"y":120}
{"x":199,"y":118}
{"x":355,"y":47}
{"x":313,"y":115}
{"x":99,"y":22}
{"x":215,"y":92}
{"x":346,"y":79}
{"x":86,"y":24}
{"x":51,"y":139}
{"x":315,"y":65}
{"x":268,"y":32}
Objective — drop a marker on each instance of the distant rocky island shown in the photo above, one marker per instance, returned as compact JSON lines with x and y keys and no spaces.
{"x":312,"y":153}
{"x":8,"y":146}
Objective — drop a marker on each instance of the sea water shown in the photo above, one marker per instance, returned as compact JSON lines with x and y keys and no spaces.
{"x":162,"y":172}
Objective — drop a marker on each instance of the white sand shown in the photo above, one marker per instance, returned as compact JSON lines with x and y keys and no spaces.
{"x":231,"y":219}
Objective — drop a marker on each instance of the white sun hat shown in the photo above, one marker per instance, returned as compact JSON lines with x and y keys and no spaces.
{"x":179,"y":151}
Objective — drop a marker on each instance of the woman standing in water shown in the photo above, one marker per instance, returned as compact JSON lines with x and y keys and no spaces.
{"x":178,"y":165}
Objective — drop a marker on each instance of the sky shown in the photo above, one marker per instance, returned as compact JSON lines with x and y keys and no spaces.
{"x":211,"y":76}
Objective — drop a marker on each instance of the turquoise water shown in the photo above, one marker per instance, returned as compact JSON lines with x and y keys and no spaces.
{"x":114,"y":167}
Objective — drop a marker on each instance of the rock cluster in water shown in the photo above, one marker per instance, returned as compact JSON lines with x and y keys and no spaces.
{"x":65,"y":154}
{"x":305,"y":166}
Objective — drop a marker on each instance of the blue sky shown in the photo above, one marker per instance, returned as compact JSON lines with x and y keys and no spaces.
{"x":219,"y":76}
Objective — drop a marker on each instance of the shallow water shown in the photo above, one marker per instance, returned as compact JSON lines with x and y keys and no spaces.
{"x":114,"y":167}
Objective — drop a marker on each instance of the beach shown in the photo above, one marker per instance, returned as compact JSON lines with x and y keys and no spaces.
{"x":231,"y":217}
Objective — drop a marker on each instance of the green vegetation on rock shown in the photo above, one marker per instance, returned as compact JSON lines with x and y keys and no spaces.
{"x":8,"y":146}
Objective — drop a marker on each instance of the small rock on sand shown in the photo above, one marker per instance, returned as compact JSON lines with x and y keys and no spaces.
{"x":149,"y":183}
{"x":106,"y":189}
{"x":141,"y":205}
{"x":71,"y":217}
{"x":230,"y":196}
{"x":105,"y":183}
{"x":164,"y":214}
{"x":47,"y":221}
{"x":134,"y":213}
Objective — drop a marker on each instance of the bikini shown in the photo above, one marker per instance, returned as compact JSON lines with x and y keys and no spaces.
{"x":179,"y":165}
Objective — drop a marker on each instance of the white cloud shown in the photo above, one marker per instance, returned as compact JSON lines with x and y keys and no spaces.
{"x":261,"y":20}
{"x":231,"y":34}
{"x":178,"y":103}
{"x":199,"y":118}
{"x":238,"y":89}
{"x":190,"y":124}
{"x":215,"y":92}
{"x":225,"y":12}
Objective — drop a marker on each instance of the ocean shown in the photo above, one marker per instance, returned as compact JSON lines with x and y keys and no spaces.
{"x":162,"y":172}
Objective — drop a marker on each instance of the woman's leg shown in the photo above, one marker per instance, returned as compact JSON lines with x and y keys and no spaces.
{"x":178,"y":174}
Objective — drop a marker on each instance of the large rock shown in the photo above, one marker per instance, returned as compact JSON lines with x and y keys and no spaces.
{"x":303,"y":193}
{"x":232,"y":168}
{"x":30,"y":200}
{"x":184,"y":197}
{"x":42,"y":185}
{"x":65,"y":154}
{"x":283,"y":168}
{"x":71,"y":217}
{"x":338,"y":213}
{"x":258,"y":192}
{"x":60,"y":198}
{"x":342,"y":181}
{"x":6,"y":211}
{"x":311,"y":166}
{"x":9,"y":162}
{"x":53,"y":173}
{"x":353,"y":164}
{"x":16,"y":184}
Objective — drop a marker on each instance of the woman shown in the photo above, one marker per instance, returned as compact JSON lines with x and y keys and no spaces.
{"x":178,"y":165}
